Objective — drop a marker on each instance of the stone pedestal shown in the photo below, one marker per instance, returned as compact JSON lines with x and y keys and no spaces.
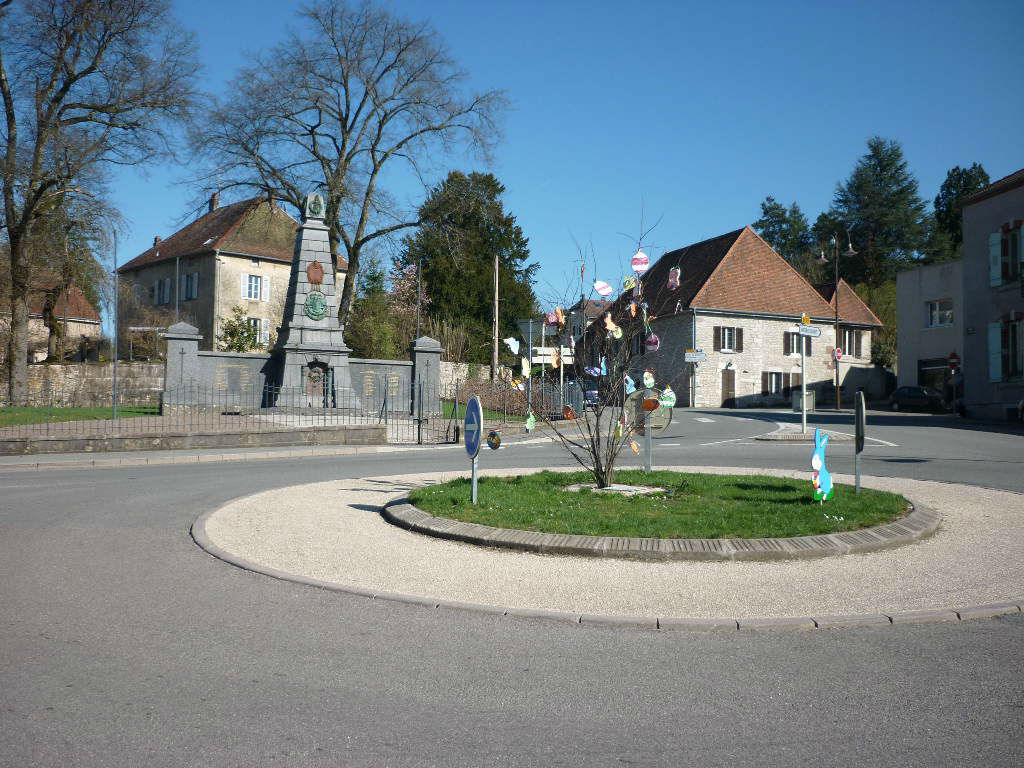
{"x":310,"y":356}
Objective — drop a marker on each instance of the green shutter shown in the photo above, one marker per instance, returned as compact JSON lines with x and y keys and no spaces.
{"x":995,"y":352}
{"x":995,"y":269}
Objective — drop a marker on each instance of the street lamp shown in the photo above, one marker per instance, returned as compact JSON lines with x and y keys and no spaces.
{"x":835,"y":260}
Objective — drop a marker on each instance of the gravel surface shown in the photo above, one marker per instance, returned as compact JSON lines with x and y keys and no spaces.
{"x":332,"y":531}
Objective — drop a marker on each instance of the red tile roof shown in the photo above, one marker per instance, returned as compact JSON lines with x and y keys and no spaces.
{"x":72,"y":302}
{"x":233,"y":228}
{"x":852,"y":308}
{"x":737,"y":272}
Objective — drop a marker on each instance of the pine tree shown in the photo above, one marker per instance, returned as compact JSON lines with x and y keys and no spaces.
{"x":959,"y":183}
{"x":880,"y":207}
{"x":788,"y":232}
{"x":462,"y":225}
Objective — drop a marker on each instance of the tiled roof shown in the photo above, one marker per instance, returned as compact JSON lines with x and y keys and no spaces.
{"x":852,"y":308}
{"x":997,"y":187}
{"x":738,"y":272}
{"x":591,"y":307}
{"x":252,"y":227}
{"x":72,"y":302}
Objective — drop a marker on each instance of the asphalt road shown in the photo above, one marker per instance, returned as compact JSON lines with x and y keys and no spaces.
{"x":124,"y":644}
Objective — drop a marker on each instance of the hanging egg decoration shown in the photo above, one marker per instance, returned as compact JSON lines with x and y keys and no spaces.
{"x":648,"y":379}
{"x":603,"y":288}
{"x":494,"y":439}
{"x":629,"y":384}
{"x":652,"y":343}
{"x":668,"y":397}
{"x":629,"y":282}
{"x":673,"y":278}
{"x":640,"y":262}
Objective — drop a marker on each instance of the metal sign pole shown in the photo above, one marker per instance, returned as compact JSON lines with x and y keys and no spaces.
{"x":529,"y":368}
{"x":858,"y":445}
{"x":473,"y":492}
{"x":803,"y":387}
{"x":648,"y":441}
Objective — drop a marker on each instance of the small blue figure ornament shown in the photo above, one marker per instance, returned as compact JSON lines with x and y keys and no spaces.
{"x":822,"y":478}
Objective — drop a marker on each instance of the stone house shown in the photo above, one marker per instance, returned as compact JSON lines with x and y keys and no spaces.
{"x":78,"y":318}
{"x":237,"y":255}
{"x":739,"y":302}
{"x":930,"y":309}
{"x":993,"y":296}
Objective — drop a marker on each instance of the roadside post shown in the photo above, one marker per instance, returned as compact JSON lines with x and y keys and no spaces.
{"x":474,"y":428}
{"x":694,"y":357}
{"x":806,"y":331}
{"x":650,"y":405}
{"x":861,"y":419}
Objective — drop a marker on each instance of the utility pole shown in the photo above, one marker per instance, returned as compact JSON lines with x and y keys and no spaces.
{"x":494,"y":332}
{"x":419,"y":292}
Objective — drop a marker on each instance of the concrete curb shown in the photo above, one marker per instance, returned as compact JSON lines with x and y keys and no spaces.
{"x":673,"y":624}
{"x":919,"y":524}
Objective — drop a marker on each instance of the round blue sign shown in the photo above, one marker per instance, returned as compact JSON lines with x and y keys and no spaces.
{"x":474,"y":426}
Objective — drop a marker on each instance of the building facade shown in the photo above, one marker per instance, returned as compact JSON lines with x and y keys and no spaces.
{"x":735,"y":299}
{"x":930,"y":308}
{"x":993,"y":297}
{"x":236,"y":255}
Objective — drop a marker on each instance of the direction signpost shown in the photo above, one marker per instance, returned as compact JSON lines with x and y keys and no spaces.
{"x":473,"y":431}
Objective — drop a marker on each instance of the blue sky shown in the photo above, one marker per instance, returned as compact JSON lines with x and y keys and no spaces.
{"x":689,"y":112}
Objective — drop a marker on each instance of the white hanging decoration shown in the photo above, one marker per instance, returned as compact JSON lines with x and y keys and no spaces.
{"x":603,"y":288}
{"x":640,"y":262}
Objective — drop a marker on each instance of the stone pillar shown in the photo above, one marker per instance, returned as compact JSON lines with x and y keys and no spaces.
{"x":426,"y":375}
{"x":181,"y":367}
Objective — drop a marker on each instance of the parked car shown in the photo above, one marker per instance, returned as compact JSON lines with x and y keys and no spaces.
{"x":916,"y":399}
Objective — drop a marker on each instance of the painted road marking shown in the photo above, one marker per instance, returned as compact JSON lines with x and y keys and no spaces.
{"x":705,"y":420}
{"x":717,"y":442}
{"x":666,"y":445}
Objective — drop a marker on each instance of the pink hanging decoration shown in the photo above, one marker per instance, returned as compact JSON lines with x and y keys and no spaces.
{"x":603,"y":288}
{"x":652,"y":343}
{"x":552,"y":319}
{"x":640,"y":262}
{"x":673,"y":278}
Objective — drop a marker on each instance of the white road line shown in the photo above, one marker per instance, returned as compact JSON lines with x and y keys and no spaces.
{"x":705,"y":420}
{"x":665,"y":445}
{"x":850,"y":434}
{"x":717,"y":442}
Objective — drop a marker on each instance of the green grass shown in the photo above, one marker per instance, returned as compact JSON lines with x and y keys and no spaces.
{"x":693,"y":506}
{"x":12,"y":417}
{"x":489,"y":415}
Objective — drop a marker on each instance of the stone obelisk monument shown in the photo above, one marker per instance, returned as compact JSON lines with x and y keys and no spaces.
{"x":310,"y":354}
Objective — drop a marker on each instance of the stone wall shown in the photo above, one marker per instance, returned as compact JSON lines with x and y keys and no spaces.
{"x":90,"y":384}
{"x":454,"y":375}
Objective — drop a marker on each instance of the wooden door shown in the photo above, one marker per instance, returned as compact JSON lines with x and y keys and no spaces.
{"x":729,"y":388}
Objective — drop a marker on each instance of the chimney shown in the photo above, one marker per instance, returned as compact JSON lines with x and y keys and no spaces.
{"x":156,"y":239}
{"x":214,"y":201}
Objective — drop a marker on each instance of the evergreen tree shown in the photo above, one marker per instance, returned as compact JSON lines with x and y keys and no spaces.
{"x":959,"y":183}
{"x":463,"y":225}
{"x":788,"y":232}
{"x":880,"y":207}
{"x":372,"y":330}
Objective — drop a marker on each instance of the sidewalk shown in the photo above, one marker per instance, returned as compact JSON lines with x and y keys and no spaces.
{"x":333,"y":535}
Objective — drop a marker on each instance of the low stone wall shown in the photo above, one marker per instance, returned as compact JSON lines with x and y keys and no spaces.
{"x":453,"y":375}
{"x":90,"y":384}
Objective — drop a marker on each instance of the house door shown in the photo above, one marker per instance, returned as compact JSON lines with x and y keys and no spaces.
{"x":729,"y":388}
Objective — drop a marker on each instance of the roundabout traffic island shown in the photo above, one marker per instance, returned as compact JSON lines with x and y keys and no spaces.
{"x":663,"y":515}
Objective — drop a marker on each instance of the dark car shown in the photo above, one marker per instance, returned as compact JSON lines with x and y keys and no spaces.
{"x":916,"y":399}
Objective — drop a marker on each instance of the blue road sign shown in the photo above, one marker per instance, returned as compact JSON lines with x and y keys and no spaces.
{"x":474,"y":426}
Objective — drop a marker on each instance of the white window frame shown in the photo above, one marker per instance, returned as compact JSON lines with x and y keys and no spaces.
{"x":936,"y":316}
{"x":728,"y":338}
{"x":255,"y":323}
{"x":775,"y":382}
{"x":253,"y":287}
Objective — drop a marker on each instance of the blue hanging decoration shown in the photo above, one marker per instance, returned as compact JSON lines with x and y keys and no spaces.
{"x":604,"y":367}
{"x":630,"y":385}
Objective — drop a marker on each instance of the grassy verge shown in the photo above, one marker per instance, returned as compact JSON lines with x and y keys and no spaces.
{"x":13,"y":417}
{"x":460,"y":413}
{"x":693,"y":506}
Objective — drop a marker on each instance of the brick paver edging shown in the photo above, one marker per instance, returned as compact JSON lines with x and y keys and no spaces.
{"x":918,"y":524}
{"x":757,"y":624}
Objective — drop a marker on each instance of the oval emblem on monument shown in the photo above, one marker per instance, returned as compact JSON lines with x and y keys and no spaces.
{"x":315,"y":273}
{"x":315,"y":307}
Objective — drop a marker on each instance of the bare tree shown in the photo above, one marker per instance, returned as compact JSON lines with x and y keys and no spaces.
{"x":356,"y":91}
{"x":84,"y":83}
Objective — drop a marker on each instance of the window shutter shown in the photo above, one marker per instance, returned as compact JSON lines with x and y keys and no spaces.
{"x":787,"y":379}
{"x":995,"y":270}
{"x":245,"y":285}
{"x":764,"y":382}
{"x":795,"y":380}
{"x":167,"y":290}
{"x":156,"y":291}
{"x":195,"y":285}
{"x":995,"y":352}
{"x":718,"y":338}
{"x":739,"y":339}
{"x":786,"y":343}
{"x":182,"y":283}
{"x":265,"y":288}
{"x":264,"y":331}
{"x":807,"y":346}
